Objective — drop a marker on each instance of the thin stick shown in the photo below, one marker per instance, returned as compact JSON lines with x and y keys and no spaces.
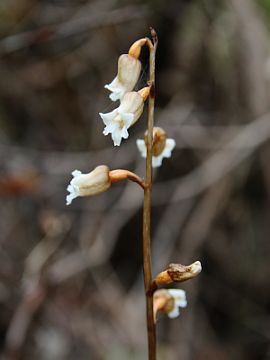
{"x":147,"y":267}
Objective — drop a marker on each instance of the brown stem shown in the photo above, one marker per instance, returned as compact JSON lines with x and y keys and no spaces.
{"x":119,"y":174}
{"x":147,"y":267}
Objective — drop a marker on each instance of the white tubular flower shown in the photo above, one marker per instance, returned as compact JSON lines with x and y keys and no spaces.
{"x":179,"y":301}
{"x":119,"y":120}
{"x":129,"y":69}
{"x":162,"y":147}
{"x":92,"y":183}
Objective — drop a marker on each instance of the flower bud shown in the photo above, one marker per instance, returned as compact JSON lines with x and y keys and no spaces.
{"x":93,"y":183}
{"x":178,"y":273}
{"x":129,"y":69}
{"x":168,"y":301}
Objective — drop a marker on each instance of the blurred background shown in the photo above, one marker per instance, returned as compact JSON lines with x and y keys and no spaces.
{"x":71,"y":277}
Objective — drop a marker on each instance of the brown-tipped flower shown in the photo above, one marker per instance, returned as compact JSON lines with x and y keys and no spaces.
{"x":162,"y":147}
{"x":93,"y":183}
{"x":135,"y":49}
{"x":178,"y":273}
{"x":169,"y":301}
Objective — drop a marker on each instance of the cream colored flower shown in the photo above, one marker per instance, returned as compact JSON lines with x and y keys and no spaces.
{"x":157,"y":160}
{"x":129,"y":69}
{"x":119,"y":120}
{"x":179,"y":301}
{"x":92,"y":183}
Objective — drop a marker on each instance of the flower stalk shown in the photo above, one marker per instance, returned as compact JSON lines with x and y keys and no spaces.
{"x":120,"y":174}
{"x":147,"y":266}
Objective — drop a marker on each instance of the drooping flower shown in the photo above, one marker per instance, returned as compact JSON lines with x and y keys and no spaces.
{"x":118,"y":121}
{"x":129,"y":69}
{"x":162,"y":147}
{"x":92,"y":183}
{"x":169,"y":301}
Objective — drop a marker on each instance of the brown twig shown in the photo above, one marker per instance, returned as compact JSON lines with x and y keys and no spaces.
{"x":147,"y":267}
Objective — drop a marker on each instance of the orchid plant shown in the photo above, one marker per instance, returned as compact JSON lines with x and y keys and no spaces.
{"x":154,"y":147}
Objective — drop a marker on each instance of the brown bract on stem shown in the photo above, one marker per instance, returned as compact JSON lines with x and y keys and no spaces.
{"x":120,"y":174}
{"x":147,"y":267}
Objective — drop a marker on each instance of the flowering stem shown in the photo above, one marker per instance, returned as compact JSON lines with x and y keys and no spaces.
{"x":147,"y":267}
